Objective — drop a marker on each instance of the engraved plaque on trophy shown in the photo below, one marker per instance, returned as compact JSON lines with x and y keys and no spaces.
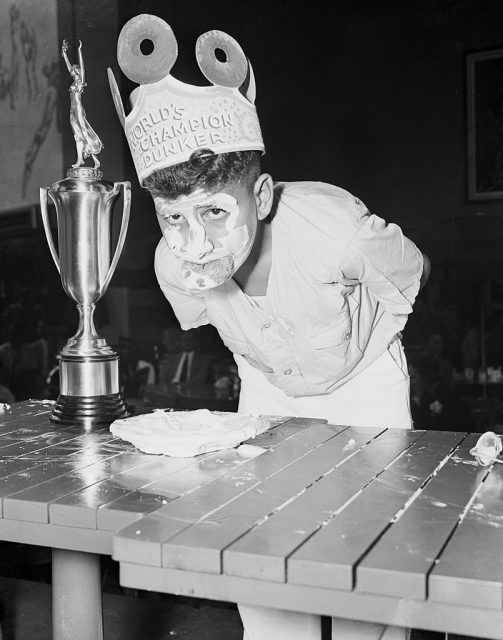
{"x":90,"y":393}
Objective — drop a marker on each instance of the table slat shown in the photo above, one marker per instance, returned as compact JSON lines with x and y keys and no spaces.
{"x":304,"y":437}
{"x":25,"y":412}
{"x":400,"y":561}
{"x":46,"y":535}
{"x":149,"y":530}
{"x":131,"y":494}
{"x":260,"y":502}
{"x":16,"y":444}
{"x":130,"y":472}
{"x":263,"y":551}
{"x":26,"y":484}
{"x":328,"y":558}
{"x":470,"y":569}
{"x":191,"y":474}
{"x":206,"y":540}
{"x":294,"y":439}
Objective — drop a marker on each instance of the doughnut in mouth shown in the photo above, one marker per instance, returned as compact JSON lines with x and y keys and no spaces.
{"x":209,"y":274}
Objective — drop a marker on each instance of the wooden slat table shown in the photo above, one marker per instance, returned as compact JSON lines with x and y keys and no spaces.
{"x":389,"y":526}
{"x":68,"y":490}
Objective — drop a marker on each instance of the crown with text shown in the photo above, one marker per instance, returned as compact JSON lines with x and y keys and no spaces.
{"x":169,"y":119}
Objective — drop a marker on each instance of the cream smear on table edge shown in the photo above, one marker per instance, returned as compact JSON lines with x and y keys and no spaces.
{"x":487,"y":449}
{"x":184,"y":434}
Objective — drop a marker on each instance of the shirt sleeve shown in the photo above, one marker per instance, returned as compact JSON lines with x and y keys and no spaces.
{"x":189,"y":308}
{"x":390,"y":265}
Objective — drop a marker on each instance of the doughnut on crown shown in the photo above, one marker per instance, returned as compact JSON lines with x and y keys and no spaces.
{"x":170,"y":119}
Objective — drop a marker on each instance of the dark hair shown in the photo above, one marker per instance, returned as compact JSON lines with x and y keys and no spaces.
{"x":204,"y":170}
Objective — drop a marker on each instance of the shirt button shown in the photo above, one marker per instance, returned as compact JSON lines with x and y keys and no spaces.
{"x":287,"y":372}
{"x":266,"y":325}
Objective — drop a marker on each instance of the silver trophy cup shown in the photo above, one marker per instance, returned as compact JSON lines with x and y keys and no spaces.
{"x":89,"y":368}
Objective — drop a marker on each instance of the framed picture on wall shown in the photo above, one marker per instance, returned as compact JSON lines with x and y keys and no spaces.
{"x":484,"y":84}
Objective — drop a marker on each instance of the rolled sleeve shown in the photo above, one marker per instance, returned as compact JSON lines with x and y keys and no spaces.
{"x":189,"y":308}
{"x":386,"y":262}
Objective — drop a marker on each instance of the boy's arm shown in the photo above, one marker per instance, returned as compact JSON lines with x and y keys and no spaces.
{"x":387,"y":263}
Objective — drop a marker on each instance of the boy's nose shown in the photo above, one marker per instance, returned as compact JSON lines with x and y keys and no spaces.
{"x":198,"y":244}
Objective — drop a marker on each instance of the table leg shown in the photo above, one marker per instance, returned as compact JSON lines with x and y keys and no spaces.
{"x":359,"y":630}
{"x":77,"y":612}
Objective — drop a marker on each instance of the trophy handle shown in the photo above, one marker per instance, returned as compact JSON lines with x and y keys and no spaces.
{"x":126,"y":196}
{"x":47,"y":227}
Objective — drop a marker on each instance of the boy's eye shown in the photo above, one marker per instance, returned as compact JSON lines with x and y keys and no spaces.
{"x":173,"y":218}
{"x":215,"y":213}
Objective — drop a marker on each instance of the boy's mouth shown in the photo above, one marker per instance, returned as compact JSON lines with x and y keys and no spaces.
{"x":209,"y":274}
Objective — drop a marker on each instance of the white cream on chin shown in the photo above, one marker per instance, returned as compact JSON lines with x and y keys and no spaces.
{"x":208,"y":275}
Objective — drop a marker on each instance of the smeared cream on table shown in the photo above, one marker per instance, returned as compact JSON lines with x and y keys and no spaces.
{"x":487,"y":449}
{"x":184,"y":434}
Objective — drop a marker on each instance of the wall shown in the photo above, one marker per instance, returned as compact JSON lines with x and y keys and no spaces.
{"x":369,"y":95}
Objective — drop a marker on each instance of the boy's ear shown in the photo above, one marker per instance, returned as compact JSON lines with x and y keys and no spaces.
{"x":263,"y":190}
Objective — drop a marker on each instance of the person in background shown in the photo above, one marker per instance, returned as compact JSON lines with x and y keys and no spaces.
{"x":192,"y":367}
{"x":307,"y":288}
{"x":21,"y":355}
{"x":471,"y":351}
{"x":434,"y":349}
{"x":434,"y":403}
{"x":170,"y":354}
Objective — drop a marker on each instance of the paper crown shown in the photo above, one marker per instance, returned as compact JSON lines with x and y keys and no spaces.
{"x":169,"y":119}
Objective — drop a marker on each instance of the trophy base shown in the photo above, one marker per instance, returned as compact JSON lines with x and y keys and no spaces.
{"x":89,"y":393}
{"x":89,"y":412}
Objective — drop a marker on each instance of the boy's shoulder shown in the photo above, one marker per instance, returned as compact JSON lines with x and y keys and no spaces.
{"x":320,"y":199}
{"x":316,"y":222}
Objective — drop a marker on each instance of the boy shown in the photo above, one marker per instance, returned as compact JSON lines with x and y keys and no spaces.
{"x":307,"y":289}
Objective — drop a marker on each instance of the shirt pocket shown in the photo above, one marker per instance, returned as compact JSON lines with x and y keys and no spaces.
{"x":235,"y":346}
{"x":332,"y":336}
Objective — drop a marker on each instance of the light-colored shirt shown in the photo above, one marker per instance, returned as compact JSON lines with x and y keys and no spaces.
{"x":341,"y":286}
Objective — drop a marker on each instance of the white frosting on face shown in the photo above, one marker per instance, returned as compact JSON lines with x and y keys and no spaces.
{"x":208,"y":275}
{"x":203,"y":228}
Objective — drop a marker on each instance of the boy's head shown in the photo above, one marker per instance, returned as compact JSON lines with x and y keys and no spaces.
{"x":208,"y":209}
{"x":195,"y":148}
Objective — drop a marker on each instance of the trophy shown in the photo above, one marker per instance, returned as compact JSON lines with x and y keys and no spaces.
{"x":90,"y":393}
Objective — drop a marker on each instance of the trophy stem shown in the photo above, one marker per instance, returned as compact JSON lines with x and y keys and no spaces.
{"x":86,"y":341}
{"x":86,"y":330}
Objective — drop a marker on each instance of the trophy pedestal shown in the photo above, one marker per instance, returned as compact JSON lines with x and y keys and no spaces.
{"x":89,"y":392}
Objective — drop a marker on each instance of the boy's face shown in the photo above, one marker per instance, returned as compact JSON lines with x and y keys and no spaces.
{"x":211,"y":233}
